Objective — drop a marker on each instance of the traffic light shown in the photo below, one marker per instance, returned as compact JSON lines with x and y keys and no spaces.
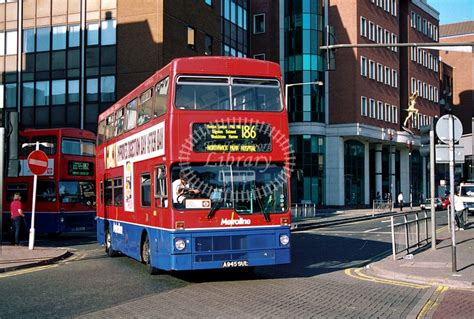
{"x":425,"y":139}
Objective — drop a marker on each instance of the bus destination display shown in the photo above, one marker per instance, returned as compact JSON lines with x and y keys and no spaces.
{"x":76,"y":168}
{"x":232,"y":137}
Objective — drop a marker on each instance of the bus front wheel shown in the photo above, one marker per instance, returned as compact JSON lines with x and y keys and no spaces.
{"x":108,"y":245}
{"x":146,"y":257}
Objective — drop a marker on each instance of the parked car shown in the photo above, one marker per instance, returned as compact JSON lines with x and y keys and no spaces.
{"x":426,"y":205}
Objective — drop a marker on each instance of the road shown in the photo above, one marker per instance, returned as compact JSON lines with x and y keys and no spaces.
{"x":92,"y":285}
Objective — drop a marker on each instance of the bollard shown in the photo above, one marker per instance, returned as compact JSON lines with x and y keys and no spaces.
{"x":393,"y":238}
{"x":314,"y":210}
{"x":305,"y":210}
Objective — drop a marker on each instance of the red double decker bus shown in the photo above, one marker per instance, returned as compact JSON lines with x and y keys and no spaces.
{"x":65,"y":196}
{"x":193,"y":167}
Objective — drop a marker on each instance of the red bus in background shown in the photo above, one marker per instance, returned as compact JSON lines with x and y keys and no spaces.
{"x":65,"y":195}
{"x":221,"y":123}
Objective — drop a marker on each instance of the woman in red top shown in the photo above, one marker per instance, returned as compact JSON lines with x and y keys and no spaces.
{"x":16,"y":214}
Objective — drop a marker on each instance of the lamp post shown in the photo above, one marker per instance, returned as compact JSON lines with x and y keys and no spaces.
{"x":31,"y":242}
{"x":390,"y":133}
{"x":410,"y":146}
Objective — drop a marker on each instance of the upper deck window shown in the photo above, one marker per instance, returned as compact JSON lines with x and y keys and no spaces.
{"x":109,"y":127}
{"x":119,"y":121}
{"x":131,"y":115}
{"x":145,"y":109}
{"x":161,"y":96}
{"x":75,"y":146}
{"x":216,"y":93}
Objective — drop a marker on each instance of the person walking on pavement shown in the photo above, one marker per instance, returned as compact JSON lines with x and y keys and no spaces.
{"x":400,"y":201}
{"x":16,"y":214}
{"x":459,"y":211}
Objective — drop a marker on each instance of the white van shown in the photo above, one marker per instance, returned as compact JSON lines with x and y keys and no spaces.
{"x":466,"y":192}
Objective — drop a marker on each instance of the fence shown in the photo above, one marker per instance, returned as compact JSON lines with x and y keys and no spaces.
{"x":382,"y":205}
{"x":302,"y":211}
{"x":412,"y":232}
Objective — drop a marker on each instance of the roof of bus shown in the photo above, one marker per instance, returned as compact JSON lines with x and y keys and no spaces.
{"x":204,"y":65}
{"x":65,"y":131}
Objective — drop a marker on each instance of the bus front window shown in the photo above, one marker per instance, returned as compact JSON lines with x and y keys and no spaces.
{"x":251,"y":189}
{"x":77,"y":192}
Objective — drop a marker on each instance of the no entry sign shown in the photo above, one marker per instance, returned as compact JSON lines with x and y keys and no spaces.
{"x":38,"y":162}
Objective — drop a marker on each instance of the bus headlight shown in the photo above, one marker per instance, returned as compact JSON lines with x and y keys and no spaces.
{"x":284,"y":239}
{"x":179,"y":244}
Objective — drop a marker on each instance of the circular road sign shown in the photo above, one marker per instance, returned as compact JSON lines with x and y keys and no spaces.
{"x":38,"y":162}
{"x":442,"y":128}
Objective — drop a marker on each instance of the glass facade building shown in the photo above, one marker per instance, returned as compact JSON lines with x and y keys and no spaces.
{"x":58,"y":61}
{"x":235,"y":37}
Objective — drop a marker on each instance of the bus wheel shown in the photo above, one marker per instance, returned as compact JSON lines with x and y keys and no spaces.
{"x":146,"y":257}
{"x":108,"y":245}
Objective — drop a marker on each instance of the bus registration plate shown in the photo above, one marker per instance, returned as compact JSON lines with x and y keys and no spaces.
{"x":232,"y":264}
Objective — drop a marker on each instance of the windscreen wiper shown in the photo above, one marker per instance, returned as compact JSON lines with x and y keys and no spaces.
{"x":214,"y":208}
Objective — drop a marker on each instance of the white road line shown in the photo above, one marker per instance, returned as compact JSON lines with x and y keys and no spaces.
{"x":371,"y":230}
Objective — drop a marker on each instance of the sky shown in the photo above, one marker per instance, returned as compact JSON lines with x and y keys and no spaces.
{"x":452,"y":11}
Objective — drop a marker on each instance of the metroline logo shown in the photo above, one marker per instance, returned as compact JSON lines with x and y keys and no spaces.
{"x":236,"y":222}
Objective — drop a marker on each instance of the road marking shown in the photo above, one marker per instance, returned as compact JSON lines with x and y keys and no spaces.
{"x":371,"y":230}
{"x":432,"y":304}
{"x":26,"y":271}
{"x":357,"y":273}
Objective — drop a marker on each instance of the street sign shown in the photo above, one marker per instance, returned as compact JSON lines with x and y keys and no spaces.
{"x":442,"y":128}
{"x":38,"y":162}
{"x":442,"y":154}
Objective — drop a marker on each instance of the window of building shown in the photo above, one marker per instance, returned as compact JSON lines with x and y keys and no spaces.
{"x":107,"y":88}
{"x":92,"y":90}
{"x":74,"y":35}
{"x":59,"y":37}
{"x":208,"y":2}
{"x":371,"y":31}
{"x":42,"y":93}
{"x":379,"y":34}
{"x":380,"y":3}
{"x":28,"y":94}
{"x":379,"y":110}
{"x":425,"y":27}
{"x":372,"y":108}
{"x":260,"y":56}
{"x":387,"y":37}
{"x":161,"y":194}
{"x":363,"y":66}
{"x":430,"y":92}
{"x":413,"y":19}
{"x":363,"y":26}
{"x":394,"y":7}
{"x":436,"y":95}
{"x":413,"y":54}
{"x":10,"y":95}
{"x":394,"y":114}
{"x":93,"y":34}
{"x":418,"y":22}
{"x":394,"y":40}
{"x":145,"y":187}
{"x":73,"y":91}
{"x":2,"y":43}
{"x":371,"y":70}
{"x":131,"y":116}
{"x":424,"y":92}
{"x":58,"y":92}
{"x":108,"y":32}
{"x":208,"y":45}
{"x":42,"y":39}
{"x":363,"y":106}
{"x":11,"y":46}
{"x":161,"y":97}
{"x":419,"y":88}
{"x":386,"y":5}
{"x":388,"y":76}
{"x":379,"y":72}
{"x":394,"y":78}
{"x":388,"y":112}
{"x":191,"y":37}
{"x":259,"y":23}
{"x":28,"y":40}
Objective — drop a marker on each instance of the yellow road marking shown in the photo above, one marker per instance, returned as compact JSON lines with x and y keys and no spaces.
{"x":359,"y":275}
{"x":432,"y":304}
{"x":26,"y":271}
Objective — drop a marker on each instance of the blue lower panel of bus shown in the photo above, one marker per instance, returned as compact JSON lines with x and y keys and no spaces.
{"x":62,"y":222}
{"x":204,"y":249}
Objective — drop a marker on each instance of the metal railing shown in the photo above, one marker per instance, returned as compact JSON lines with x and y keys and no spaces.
{"x":382,"y":205}
{"x":410,"y":231}
{"x":302,"y":211}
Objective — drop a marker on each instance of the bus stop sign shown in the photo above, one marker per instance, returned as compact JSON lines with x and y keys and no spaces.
{"x":38,"y":162}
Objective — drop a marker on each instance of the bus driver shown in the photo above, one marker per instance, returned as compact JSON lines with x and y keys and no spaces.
{"x":181,"y":190}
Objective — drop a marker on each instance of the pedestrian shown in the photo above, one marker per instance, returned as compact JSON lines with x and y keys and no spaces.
{"x":16,"y":214}
{"x":400,"y":201}
{"x":459,"y":211}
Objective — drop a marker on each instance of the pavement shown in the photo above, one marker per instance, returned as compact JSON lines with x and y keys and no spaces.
{"x":20,"y":257}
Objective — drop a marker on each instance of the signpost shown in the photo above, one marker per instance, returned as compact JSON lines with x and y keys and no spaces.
{"x":449,"y":130}
{"x":38,"y":164}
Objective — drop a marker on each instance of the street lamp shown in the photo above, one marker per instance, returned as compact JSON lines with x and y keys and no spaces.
{"x":390,"y":134}
{"x":410,"y":146}
{"x":320,"y":83}
{"x":37,"y":144}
